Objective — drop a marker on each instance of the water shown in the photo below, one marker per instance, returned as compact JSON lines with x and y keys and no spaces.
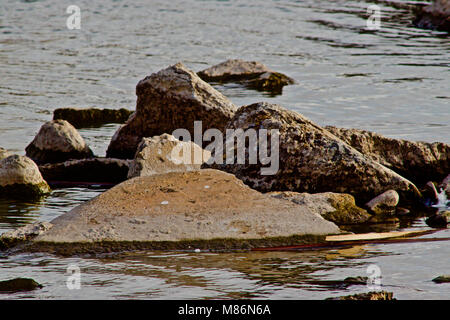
{"x":394,"y":81}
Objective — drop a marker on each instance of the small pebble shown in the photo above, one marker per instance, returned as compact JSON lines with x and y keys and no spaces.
{"x":165,"y":202}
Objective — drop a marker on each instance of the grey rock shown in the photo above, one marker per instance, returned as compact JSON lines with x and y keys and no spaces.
{"x":27,"y":232}
{"x":20,"y":178}
{"x":165,"y":153}
{"x":170,"y":99}
{"x":311,"y":159}
{"x":384,"y":203}
{"x":57,"y":141}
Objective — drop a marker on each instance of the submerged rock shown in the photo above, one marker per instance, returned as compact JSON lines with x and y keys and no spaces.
{"x":87,"y":170}
{"x":374,"y":295}
{"x":170,"y":99}
{"x":442,"y":279}
{"x":57,"y":141}
{"x":417,"y":161}
{"x":311,"y":159}
{"x":91,"y":117}
{"x":20,"y":178}
{"x":339,"y":208}
{"x":435,"y":16}
{"x":165,"y":153}
{"x":439,"y":220}
{"x":384,"y":203}
{"x":201,"y":209}
{"x":18,"y":285}
{"x":250,"y":73}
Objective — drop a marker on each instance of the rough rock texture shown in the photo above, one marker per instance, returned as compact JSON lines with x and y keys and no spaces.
{"x":416,"y":161}
{"x":165,"y":153}
{"x":189,"y":206}
{"x":18,"y":285}
{"x":339,"y":208}
{"x":435,"y":16}
{"x":91,"y":117}
{"x":27,"y":232}
{"x":311,"y":159}
{"x":170,"y":99}
{"x":87,"y":170}
{"x":385,"y":202}
{"x":4,"y":153}
{"x":20,"y":178}
{"x":57,"y":141}
{"x":250,"y":73}
{"x":374,"y":295}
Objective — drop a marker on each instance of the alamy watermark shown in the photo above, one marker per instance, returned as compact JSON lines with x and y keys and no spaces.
{"x":257,"y":148}
{"x":74,"y":20}
{"x":374,"y":20}
{"x":374,"y":278}
{"x":73,"y":281}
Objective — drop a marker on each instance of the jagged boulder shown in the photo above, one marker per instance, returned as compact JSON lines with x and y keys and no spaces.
{"x":20,"y":178}
{"x":91,"y":117}
{"x":310,"y":158}
{"x":252,"y":74}
{"x":57,"y":141}
{"x":170,"y":99}
{"x":165,"y":153}
{"x":416,"y":161}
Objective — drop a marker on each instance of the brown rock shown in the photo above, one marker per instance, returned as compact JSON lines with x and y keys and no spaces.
{"x":91,"y":117}
{"x":374,"y":295}
{"x":435,"y":16}
{"x":57,"y":141}
{"x":384,"y":203}
{"x":311,"y":159}
{"x":170,"y":99}
{"x":339,"y":208}
{"x":416,"y":161}
{"x":4,"y":153}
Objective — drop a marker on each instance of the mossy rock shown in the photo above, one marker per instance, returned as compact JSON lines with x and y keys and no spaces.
{"x":19,"y":284}
{"x":442,"y":279}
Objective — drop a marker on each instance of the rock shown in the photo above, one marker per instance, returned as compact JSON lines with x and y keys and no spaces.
{"x":374,"y":295}
{"x":28,"y":232}
{"x":435,"y":16}
{"x":19,"y":284}
{"x":311,"y":159}
{"x":417,"y":161}
{"x":206,"y":209}
{"x":165,"y":153}
{"x":439,"y":220}
{"x":341,"y":284}
{"x":384,"y":203}
{"x":91,"y":117}
{"x":87,"y":170}
{"x":445,"y":185}
{"x":170,"y":99}
{"x":57,"y":141}
{"x":4,"y":153}
{"x":252,"y":74}
{"x":442,"y":279}
{"x":339,"y":208}
{"x":20,"y":178}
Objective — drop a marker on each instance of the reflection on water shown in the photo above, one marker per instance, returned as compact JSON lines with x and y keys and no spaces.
{"x":394,"y":81}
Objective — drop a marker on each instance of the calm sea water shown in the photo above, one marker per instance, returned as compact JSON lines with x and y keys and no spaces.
{"x":394,"y":81}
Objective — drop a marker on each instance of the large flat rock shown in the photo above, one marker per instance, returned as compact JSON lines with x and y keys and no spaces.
{"x":184,"y":206}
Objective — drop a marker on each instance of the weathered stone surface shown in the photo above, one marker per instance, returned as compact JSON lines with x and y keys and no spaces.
{"x":250,"y":73}
{"x":20,"y":178}
{"x":165,"y":153}
{"x":57,"y":141}
{"x":170,"y":99}
{"x":91,"y":117}
{"x":374,"y":295}
{"x":416,"y":161}
{"x":435,"y":16}
{"x":384,"y":203}
{"x":18,"y":285}
{"x":27,"y":232}
{"x":4,"y":153}
{"x":191,"y":206}
{"x":87,"y":170}
{"x":339,"y":208}
{"x":442,"y":279}
{"x":311,"y":159}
